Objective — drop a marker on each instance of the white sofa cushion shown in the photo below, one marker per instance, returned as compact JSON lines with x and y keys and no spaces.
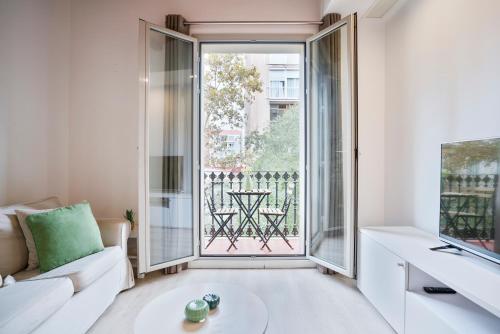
{"x":86,"y":270}
{"x":30,"y":242}
{"x":25,"y":305}
{"x":12,"y":242}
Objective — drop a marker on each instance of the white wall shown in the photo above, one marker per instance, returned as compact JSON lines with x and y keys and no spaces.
{"x":371,"y":109}
{"x":371,"y":121}
{"x":34,"y":72}
{"x":69,"y":89}
{"x":68,"y":121}
{"x":103,"y":122}
{"x":86,"y":147}
{"x":443,"y":84}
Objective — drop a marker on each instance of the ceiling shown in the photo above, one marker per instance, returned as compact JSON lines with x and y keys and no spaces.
{"x":345,"y":7}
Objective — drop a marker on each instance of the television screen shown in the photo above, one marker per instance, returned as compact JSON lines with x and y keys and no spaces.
{"x":470,"y":198}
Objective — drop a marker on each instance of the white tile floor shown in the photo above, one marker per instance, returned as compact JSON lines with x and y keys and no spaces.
{"x":301,"y":301}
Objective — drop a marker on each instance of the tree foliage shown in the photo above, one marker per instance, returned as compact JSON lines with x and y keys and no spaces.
{"x":228,"y":85}
{"x":463,"y":156}
{"x":277,"y":148}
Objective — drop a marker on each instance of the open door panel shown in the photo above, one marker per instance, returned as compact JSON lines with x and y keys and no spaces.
{"x":332,"y":146}
{"x":168,"y":232}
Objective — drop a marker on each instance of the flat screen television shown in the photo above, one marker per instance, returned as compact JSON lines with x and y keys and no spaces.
{"x":470,"y":197}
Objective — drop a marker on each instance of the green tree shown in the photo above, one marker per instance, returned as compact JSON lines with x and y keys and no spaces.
{"x":460,"y":156}
{"x":228,"y":85}
{"x":277,"y":148}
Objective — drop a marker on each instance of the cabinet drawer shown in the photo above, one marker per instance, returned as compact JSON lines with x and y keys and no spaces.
{"x":382,"y":279}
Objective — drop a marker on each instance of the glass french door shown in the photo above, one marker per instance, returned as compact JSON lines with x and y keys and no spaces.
{"x":169,"y":234}
{"x":332,"y":144}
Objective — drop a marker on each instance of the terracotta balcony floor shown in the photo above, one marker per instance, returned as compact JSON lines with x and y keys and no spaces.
{"x":251,"y":246}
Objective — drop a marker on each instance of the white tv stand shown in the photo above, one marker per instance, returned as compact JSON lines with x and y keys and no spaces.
{"x":395,"y":263}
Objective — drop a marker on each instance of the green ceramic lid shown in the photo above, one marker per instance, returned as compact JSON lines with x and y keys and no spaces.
{"x":212,"y":299}
{"x":196,"y":310}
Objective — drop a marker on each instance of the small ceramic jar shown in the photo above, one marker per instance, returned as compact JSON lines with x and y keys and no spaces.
{"x":212,"y":300}
{"x":196,"y":310}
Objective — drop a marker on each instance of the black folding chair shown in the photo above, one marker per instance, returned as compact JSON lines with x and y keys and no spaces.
{"x":222,"y":217}
{"x":275,"y":217}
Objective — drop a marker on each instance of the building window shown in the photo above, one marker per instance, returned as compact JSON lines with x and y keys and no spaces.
{"x":277,"y":88}
{"x":292,"y":87}
{"x":284,"y":84}
{"x":276,"y":110}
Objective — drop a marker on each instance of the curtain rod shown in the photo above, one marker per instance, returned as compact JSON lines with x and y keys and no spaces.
{"x":254,"y":22}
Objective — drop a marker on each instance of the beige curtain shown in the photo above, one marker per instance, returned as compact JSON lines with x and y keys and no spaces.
{"x":176,"y":22}
{"x":177,"y":123}
{"x":330,"y":81}
{"x":177,"y":141}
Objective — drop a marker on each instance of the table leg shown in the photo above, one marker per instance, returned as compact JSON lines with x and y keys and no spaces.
{"x":248,"y":212}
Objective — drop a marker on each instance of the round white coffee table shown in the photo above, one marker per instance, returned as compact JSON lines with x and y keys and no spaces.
{"x":239,"y":311}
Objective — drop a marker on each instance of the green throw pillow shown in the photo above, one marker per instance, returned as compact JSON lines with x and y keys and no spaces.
{"x":64,"y":235}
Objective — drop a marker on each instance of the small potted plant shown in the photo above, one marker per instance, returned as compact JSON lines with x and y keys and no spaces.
{"x":130,"y":216}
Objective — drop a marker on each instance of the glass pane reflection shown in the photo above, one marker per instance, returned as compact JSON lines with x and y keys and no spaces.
{"x":170,"y":125}
{"x":330,"y":147}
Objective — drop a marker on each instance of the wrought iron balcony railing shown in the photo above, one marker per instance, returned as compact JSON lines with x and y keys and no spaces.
{"x":291,"y":92}
{"x":468,"y":206}
{"x":280,"y":183}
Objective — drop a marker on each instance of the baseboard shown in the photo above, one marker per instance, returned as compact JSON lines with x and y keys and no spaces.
{"x":250,"y":263}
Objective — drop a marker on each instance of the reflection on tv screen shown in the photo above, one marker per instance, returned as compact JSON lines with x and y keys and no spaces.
{"x":469,"y":213}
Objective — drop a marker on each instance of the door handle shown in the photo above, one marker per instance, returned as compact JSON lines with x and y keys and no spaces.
{"x":401,"y":264}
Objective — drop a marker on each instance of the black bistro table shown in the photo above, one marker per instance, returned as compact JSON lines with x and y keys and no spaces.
{"x":248,"y":210}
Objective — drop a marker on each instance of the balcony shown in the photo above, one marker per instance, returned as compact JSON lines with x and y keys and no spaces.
{"x":281,"y":184}
{"x":288,"y":93}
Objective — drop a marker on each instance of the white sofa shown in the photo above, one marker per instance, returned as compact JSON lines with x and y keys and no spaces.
{"x":70,"y":298}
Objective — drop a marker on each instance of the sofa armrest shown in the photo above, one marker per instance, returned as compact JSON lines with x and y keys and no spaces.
{"x":114,"y":232}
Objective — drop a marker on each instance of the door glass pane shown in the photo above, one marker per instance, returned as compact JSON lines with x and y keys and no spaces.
{"x":170,"y":126}
{"x":331,"y":147}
